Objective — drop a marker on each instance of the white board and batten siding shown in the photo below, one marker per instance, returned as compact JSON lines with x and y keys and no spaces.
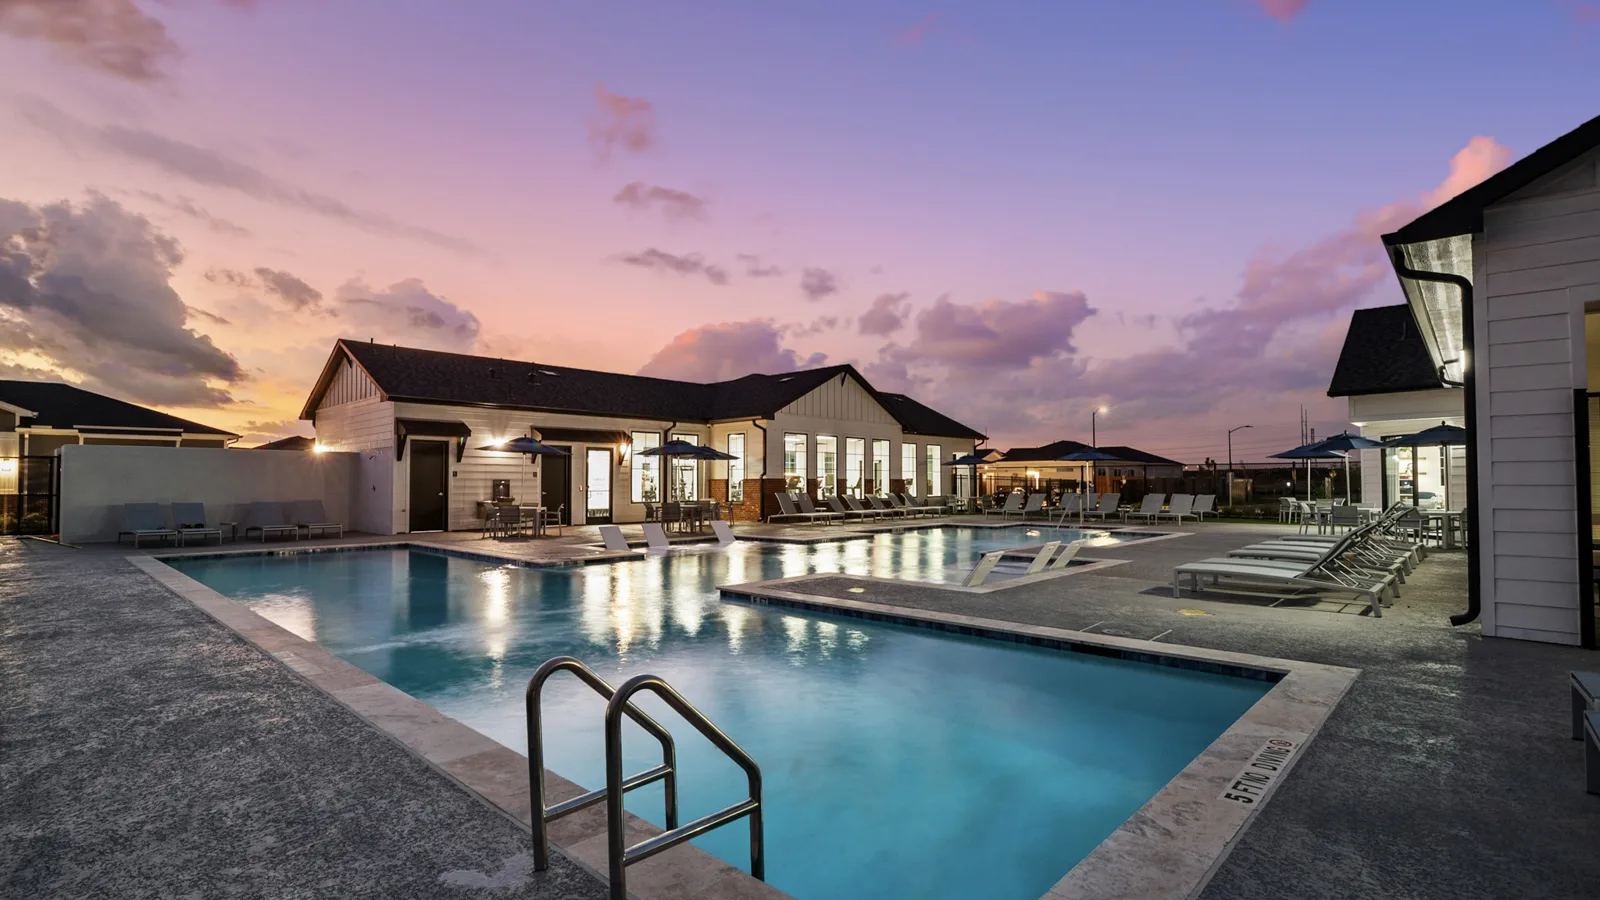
{"x":1535,"y":266}
{"x":353,"y":414}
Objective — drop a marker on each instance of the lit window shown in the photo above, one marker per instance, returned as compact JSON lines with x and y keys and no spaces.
{"x":855,"y":466}
{"x":794,"y":462}
{"x":736,"y":467}
{"x":908,"y":468}
{"x":827,"y":465}
{"x":646,"y":475}
{"x":931,"y":476}
{"x":880,"y":467}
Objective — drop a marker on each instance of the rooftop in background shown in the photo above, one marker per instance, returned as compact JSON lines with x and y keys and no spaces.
{"x":64,"y":407}
{"x":1383,"y":353}
{"x":295,"y":442}
{"x":430,"y":376}
{"x":1054,"y":451}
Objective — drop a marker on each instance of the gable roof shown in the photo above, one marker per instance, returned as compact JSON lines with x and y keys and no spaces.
{"x":296,"y":442}
{"x":1054,"y":451}
{"x":1383,"y":353}
{"x":916,"y":418}
{"x":59,"y":405}
{"x":1463,"y":214}
{"x":431,"y":376}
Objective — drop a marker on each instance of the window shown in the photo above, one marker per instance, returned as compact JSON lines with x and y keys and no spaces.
{"x":931,"y":477}
{"x":855,"y":451}
{"x":736,"y":468}
{"x":794,"y":462}
{"x":646,"y":475}
{"x":908,"y":468}
{"x":880,"y":467}
{"x":685,"y":472}
{"x":827,"y":465}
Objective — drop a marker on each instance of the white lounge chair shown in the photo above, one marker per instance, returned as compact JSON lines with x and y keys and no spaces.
{"x":982,"y":568}
{"x":1064,"y":558}
{"x":1071,"y":505}
{"x":856,"y":506}
{"x":145,"y":520}
{"x":928,"y":506}
{"x":269,"y":518}
{"x":1013,"y":504}
{"x":308,"y":514}
{"x":837,"y":505}
{"x":1149,"y":510}
{"x":655,"y":537}
{"x":723,"y":531}
{"x":1205,"y":505}
{"x":1106,"y":508}
{"x":1035,"y":505}
{"x":612,"y":535}
{"x":1330,"y":575}
{"x":1181,"y":506}
{"x":190,"y":521}
{"x":1046,"y":551}
{"x":878,"y":504}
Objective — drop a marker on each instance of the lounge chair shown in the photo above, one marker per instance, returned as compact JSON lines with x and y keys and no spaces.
{"x":855,"y":506}
{"x":655,"y":537}
{"x":723,"y":531}
{"x":143,"y":520}
{"x":790,"y":511}
{"x":309,"y":514}
{"x":1106,"y":508}
{"x":612,"y":535}
{"x":1330,"y":575}
{"x":1181,"y":506}
{"x":1035,"y":505}
{"x":810,"y":509}
{"x":1360,"y":551}
{"x":1149,"y":510}
{"x":837,"y":505}
{"x":190,"y":519}
{"x":269,"y":518}
{"x":1204,"y":505}
{"x":1013,"y":504}
{"x":1064,"y":558}
{"x":927,"y":506}
{"x":982,"y":568}
{"x":1046,"y":550}
{"x":1070,"y":505}
{"x":878,"y":504}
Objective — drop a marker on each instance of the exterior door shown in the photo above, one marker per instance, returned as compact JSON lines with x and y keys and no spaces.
{"x":429,"y":468}
{"x":597,"y":486}
{"x":555,"y":485}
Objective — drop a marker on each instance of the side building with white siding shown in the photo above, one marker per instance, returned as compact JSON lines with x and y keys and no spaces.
{"x":1503,"y":284}
{"x":427,"y":425}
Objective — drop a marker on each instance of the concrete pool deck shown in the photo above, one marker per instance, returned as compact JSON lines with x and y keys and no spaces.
{"x":1444,"y":772}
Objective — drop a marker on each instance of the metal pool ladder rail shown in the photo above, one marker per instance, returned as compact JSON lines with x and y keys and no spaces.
{"x":617,"y":706}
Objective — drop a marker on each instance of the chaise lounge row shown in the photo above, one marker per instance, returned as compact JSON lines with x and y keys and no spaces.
{"x":188,"y":520}
{"x":801,"y":507}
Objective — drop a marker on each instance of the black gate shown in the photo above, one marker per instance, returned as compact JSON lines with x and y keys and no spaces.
{"x":30,"y":488}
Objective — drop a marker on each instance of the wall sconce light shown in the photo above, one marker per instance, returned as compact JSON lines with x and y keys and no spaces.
{"x":623,"y":450}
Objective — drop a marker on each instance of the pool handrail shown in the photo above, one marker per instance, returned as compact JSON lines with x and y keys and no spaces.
{"x":540,"y":814}
{"x":616,"y":838}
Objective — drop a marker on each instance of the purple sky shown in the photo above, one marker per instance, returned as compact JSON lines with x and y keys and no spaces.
{"x":1016,"y":212}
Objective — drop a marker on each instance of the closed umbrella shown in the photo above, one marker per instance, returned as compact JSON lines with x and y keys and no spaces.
{"x":1343,"y":443}
{"x":1086,"y":455}
{"x":1441,"y":435}
{"x":527,"y":446}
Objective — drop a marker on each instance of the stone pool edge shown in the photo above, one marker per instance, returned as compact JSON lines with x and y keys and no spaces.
{"x":1170,"y":848}
{"x":490,"y":771}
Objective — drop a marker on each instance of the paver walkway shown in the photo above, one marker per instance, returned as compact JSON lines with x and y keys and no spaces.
{"x":147,"y":751}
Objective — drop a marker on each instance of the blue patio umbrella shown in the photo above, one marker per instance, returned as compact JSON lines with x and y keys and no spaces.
{"x":685,"y":450}
{"x":1344,"y":442}
{"x":1441,"y":435}
{"x":527,"y":446}
{"x":1086,"y":455}
{"x":1309,"y":452}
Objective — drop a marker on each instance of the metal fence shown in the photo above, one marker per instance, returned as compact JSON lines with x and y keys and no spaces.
{"x":1257,"y":487}
{"x":30,"y":488}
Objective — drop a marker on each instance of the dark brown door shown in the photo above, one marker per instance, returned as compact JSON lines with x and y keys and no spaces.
{"x":429,"y":466}
{"x":555,"y":486}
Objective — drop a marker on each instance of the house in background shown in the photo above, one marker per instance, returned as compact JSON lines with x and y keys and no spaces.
{"x":1389,"y":380}
{"x":421,"y":418}
{"x":37,"y":417}
{"x":1503,"y":284}
{"x":295,"y":442}
{"x":1030,"y":467}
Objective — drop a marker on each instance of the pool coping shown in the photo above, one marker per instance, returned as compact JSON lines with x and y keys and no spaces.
{"x":490,"y":771}
{"x":1171,"y":847}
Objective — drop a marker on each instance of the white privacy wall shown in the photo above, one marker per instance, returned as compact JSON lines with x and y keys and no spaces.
{"x":97,"y":480}
{"x":1535,"y":265}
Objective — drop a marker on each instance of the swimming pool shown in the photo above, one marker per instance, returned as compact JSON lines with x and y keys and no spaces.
{"x":887,"y":752}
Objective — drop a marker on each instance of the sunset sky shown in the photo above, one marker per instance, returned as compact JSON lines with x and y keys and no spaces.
{"x":1014,"y":211}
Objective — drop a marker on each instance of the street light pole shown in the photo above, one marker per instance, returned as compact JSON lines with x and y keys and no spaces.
{"x":1230,"y":461}
{"x":1094,"y":440}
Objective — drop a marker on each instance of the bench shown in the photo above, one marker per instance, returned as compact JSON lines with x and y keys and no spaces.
{"x":1585,"y":697}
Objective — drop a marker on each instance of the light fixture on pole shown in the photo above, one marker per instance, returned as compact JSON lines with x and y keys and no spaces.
{"x":1230,"y":446}
{"x":1094,"y":439}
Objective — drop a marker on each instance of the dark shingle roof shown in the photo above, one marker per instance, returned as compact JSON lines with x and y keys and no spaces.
{"x":65,"y":406}
{"x":303,"y":444}
{"x":1383,"y":354}
{"x":432,"y":376}
{"x":1463,"y":214}
{"x":1058,"y":449}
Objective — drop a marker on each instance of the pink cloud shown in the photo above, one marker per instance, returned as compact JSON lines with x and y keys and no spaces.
{"x":621,"y":123}
{"x":1283,"y":10}
{"x":727,"y":350}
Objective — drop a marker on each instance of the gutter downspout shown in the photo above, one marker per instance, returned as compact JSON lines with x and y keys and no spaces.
{"x":1469,"y":383}
{"x":761,"y":492}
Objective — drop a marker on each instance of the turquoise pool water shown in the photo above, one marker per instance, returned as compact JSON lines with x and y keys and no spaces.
{"x":898,"y":761}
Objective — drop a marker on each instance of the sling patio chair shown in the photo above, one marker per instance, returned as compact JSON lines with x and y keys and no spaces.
{"x":1181,"y":506}
{"x":269,"y":518}
{"x":1149,"y":510}
{"x":1106,"y":508}
{"x":836,"y":504}
{"x":1013,"y":504}
{"x":809,"y":508}
{"x":190,"y":520}
{"x":145,"y":520}
{"x":308,"y":514}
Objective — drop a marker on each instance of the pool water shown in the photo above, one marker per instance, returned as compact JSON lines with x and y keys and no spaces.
{"x":897,"y":761}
